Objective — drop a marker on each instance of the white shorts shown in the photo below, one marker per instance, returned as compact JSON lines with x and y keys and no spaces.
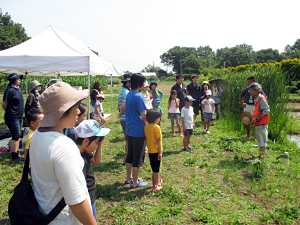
{"x":261,"y":135}
{"x":249,"y":109}
{"x":96,"y":117}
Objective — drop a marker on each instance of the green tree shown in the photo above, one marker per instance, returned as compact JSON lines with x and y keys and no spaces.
{"x":295,"y":54}
{"x":249,"y":48}
{"x":11,"y":33}
{"x":206,"y":53}
{"x":267,"y":55}
{"x":233,"y":57}
{"x":151,"y":68}
{"x":191,"y":64}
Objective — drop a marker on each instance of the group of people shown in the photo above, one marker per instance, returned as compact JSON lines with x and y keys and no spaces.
{"x":61,"y":140}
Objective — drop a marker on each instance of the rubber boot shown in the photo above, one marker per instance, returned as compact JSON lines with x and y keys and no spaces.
{"x":15,"y":156}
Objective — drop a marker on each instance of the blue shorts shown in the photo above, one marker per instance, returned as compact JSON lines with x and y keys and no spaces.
{"x":174,"y":115}
{"x":15,"y":127}
{"x":208,"y":116}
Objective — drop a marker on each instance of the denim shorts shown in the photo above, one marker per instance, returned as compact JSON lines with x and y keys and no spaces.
{"x":208,"y":116}
{"x":15,"y":127}
{"x":174,"y":115}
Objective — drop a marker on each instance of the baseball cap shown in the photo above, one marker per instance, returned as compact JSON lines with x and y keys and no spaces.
{"x":14,"y":76}
{"x":90,"y":128}
{"x":126,"y":77}
{"x":208,"y":92}
{"x":101,"y":96}
{"x":205,"y":82}
{"x":189,"y":99}
{"x":156,"y":100}
{"x":146,"y":84}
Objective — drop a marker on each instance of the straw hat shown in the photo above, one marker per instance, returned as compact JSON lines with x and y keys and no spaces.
{"x":34,"y":84}
{"x":56,"y":100}
{"x":246,"y":118}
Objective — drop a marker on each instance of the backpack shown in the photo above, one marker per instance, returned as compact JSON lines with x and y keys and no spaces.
{"x":23,"y":207}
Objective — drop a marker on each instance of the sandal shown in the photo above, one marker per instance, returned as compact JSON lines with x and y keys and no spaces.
{"x":160,"y":182}
{"x":140,"y":184}
{"x":156,"y":189}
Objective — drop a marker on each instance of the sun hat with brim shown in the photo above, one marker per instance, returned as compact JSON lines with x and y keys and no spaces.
{"x":101,"y":96}
{"x":126,"y":77}
{"x":14,"y":76}
{"x":34,"y":84}
{"x":189,"y":98}
{"x":90,"y":128}
{"x":246,"y":118}
{"x":205,"y":82}
{"x":153,"y":82}
{"x":56,"y":100}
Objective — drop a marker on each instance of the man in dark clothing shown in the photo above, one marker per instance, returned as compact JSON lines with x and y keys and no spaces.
{"x":180,"y":87}
{"x":193,"y":89}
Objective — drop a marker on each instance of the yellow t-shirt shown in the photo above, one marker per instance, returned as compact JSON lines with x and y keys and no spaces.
{"x":28,"y":139}
{"x":152,"y":132}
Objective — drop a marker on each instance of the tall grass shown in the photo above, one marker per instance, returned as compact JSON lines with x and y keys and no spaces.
{"x":273,"y":82}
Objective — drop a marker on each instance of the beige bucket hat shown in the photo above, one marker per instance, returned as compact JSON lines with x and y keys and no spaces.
{"x":34,"y":84}
{"x":246,"y":118}
{"x":57,"y":99}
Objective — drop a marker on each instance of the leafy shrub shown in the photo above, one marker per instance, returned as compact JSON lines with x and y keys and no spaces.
{"x":293,"y":83}
{"x":298,"y":85}
{"x":115,"y":81}
{"x":151,"y":78}
{"x":291,"y":89}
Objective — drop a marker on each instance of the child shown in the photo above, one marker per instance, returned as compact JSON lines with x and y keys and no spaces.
{"x":34,"y":117}
{"x":156,"y":93}
{"x":154,"y":143}
{"x":71,"y":133}
{"x":156,"y":104}
{"x":208,"y":111}
{"x":90,"y":136}
{"x":216,"y":93}
{"x":188,"y":122}
{"x":33,"y":98}
{"x":144,"y":92}
{"x":205,"y":87}
{"x":261,"y":117}
{"x":174,"y":112}
{"x":99,"y":114}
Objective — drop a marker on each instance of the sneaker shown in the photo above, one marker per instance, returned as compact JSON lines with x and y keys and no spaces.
{"x":190,"y":148}
{"x":181,"y":135}
{"x":187,"y":149}
{"x":140,"y":184}
{"x":204,"y":131}
{"x":208,"y":132}
{"x":15,"y":156}
{"x":174,"y":135}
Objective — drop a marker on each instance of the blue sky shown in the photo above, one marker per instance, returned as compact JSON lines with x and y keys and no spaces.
{"x":134,"y":33}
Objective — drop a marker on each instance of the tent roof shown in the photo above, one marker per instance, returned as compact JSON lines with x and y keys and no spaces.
{"x":51,"y":53}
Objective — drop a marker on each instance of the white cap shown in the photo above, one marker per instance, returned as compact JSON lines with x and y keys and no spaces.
{"x":208,"y":92}
{"x":101,"y":96}
{"x":146,"y":84}
{"x":90,"y":128}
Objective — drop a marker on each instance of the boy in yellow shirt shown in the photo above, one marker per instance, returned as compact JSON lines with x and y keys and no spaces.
{"x":34,"y":117}
{"x":153,"y":139}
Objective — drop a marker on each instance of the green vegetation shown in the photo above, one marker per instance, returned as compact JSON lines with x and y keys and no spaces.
{"x":221,"y":182}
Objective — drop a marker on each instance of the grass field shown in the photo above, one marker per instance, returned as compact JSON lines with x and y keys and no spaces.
{"x":221,"y":182}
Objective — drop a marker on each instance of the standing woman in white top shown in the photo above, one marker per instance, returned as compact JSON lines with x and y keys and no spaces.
{"x":208,"y":111}
{"x":174,"y":112}
{"x":56,"y":163}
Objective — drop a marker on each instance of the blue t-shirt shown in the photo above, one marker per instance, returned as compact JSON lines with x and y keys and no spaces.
{"x":134,"y":106}
{"x":122,"y":97}
{"x":15,"y":103}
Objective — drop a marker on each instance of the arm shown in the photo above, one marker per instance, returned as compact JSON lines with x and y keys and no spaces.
{"x":158,"y":141}
{"x":146,"y":141}
{"x":143,"y":115}
{"x":122,"y":109}
{"x":96,"y":159}
{"x":183,"y":126}
{"x":82,"y":211}
{"x":4,"y":105}
{"x":202,"y":108}
{"x":242,"y":101}
{"x":214,"y":109}
{"x":169,"y":105}
{"x":177,"y":102}
{"x":161,"y":94}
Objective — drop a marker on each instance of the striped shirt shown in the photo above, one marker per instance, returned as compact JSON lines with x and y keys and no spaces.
{"x":122,"y":97}
{"x":249,"y":98}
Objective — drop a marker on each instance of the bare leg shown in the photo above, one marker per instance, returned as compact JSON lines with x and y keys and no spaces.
{"x":208,"y":124}
{"x":135,"y":175}
{"x":172,"y":126}
{"x":178,"y":125}
{"x":262,"y":151}
{"x":248,"y":128}
{"x":155,"y":180}
{"x":185,"y":142}
{"x":188,"y":140}
{"x":128,"y":171}
{"x":14,"y":146}
{"x":204,"y":123}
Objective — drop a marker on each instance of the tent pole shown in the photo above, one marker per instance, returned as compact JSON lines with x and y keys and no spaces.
{"x":89,"y":96}
{"x":111,"y":99}
{"x":26,"y":73}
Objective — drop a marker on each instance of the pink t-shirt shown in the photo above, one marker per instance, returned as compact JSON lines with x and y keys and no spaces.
{"x":173,"y":108}
{"x":208,"y":105}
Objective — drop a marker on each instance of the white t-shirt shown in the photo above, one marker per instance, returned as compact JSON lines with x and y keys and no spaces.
{"x":188,"y":114}
{"x":56,"y":170}
{"x":208,"y":105}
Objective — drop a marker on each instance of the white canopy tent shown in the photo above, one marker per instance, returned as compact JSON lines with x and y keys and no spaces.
{"x":55,"y":53}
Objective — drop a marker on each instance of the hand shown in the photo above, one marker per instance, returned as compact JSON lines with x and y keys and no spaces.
{"x":213,"y":113}
{"x":159,"y":156}
{"x":253,"y":122}
{"x":119,"y":115}
{"x":244,"y":105}
{"x":194,"y":126}
{"x":184,"y":129}
{"x":101,"y":142}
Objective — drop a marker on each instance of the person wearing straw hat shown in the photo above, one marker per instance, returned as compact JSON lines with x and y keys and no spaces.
{"x":248,"y":104}
{"x":121,"y":107}
{"x":144,"y":92}
{"x":56,"y":163}
{"x":33,"y":98}
{"x":261,"y":116}
{"x":13,"y":105}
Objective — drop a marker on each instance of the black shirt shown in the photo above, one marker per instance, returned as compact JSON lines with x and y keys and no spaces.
{"x":194,"y":91}
{"x":15,"y":103}
{"x":89,"y":175}
{"x":181,"y":93}
{"x":71,"y":133}
{"x":249,"y":98}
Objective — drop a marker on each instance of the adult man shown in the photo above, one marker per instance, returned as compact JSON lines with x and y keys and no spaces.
{"x":121,"y":106}
{"x":193,"y":89}
{"x":249,"y":103}
{"x":180,"y":87}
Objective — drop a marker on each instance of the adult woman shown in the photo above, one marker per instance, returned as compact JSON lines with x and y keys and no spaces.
{"x":96,"y":90}
{"x":156,"y":93}
{"x":13,"y":105}
{"x":56,"y":164}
